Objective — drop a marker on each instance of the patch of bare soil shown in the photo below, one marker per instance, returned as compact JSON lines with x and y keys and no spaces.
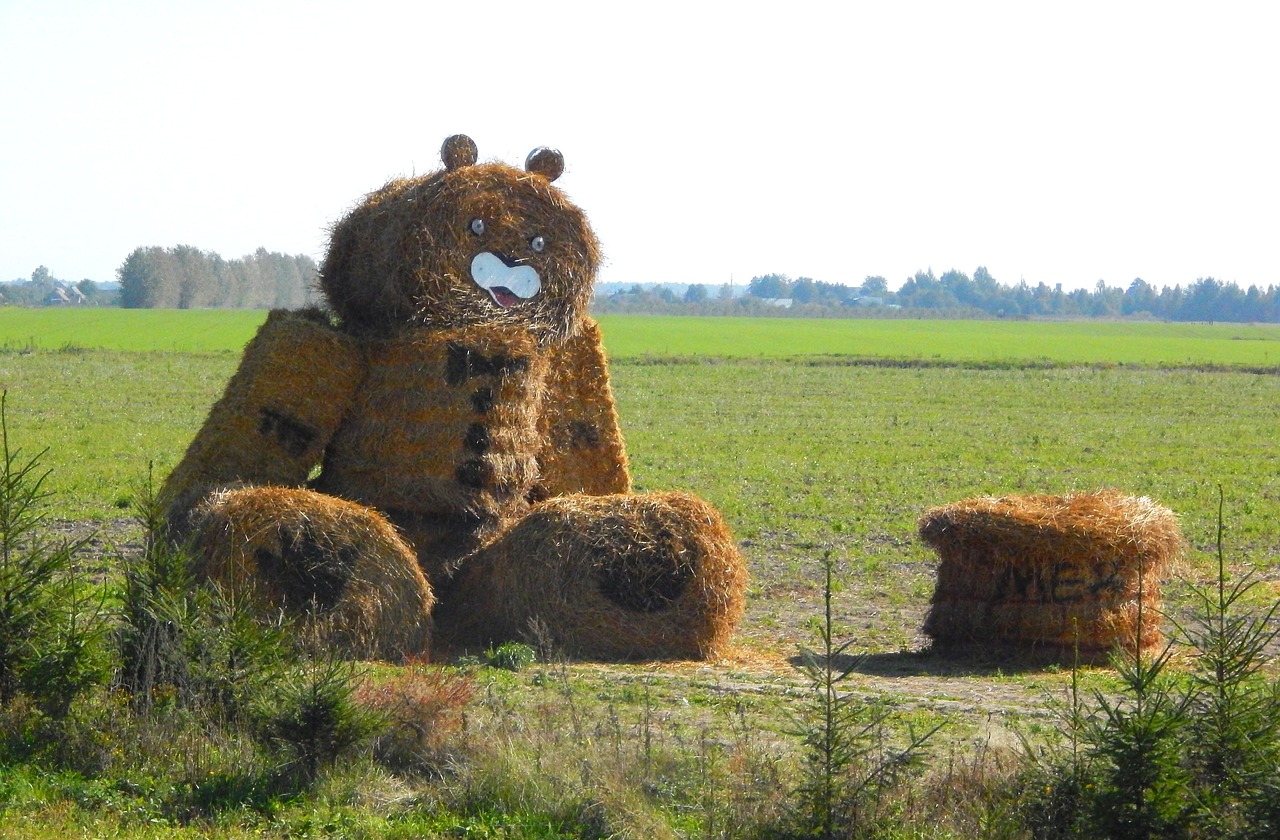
{"x":101,"y":543}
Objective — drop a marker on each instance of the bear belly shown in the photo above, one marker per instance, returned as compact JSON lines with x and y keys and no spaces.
{"x":443,"y":437}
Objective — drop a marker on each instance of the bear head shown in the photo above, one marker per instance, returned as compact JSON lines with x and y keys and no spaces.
{"x":472,"y":244}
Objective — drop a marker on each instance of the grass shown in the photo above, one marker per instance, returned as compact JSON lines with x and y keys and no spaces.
{"x":987,"y":343}
{"x":170,"y":330}
{"x":991,"y":343}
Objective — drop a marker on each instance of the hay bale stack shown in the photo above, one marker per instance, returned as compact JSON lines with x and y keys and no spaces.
{"x":1053,"y":572}
{"x":338,"y":567}
{"x":613,"y":577}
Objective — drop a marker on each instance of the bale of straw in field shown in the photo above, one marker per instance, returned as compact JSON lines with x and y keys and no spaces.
{"x":338,"y":567}
{"x":1059,"y":573}
{"x":610,"y":577}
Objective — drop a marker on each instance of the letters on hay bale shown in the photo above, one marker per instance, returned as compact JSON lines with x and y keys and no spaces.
{"x":1053,"y":572}
{"x":609,"y":577}
{"x":445,"y":432}
{"x":296,"y":551}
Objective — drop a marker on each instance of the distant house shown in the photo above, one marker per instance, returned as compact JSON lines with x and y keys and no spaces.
{"x":64,"y":296}
{"x":783,"y":303}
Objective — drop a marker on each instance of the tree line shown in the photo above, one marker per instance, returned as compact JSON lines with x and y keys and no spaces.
{"x":953,"y":294}
{"x":184,"y":277}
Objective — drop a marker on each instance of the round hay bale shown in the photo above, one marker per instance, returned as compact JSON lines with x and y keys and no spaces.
{"x":606,"y":577}
{"x":338,"y":567}
{"x":1064,"y":573}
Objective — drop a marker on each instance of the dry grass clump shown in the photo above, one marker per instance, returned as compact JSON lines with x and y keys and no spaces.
{"x":338,"y":566}
{"x":1080,"y":571}
{"x":425,"y":711}
{"x":610,"y":577}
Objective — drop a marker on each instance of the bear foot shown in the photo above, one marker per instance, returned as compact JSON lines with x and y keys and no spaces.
{"x":339,"y":568}
{"x":624,"y":577}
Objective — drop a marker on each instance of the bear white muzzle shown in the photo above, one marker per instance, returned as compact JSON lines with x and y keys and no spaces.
{"x":507,"y":284}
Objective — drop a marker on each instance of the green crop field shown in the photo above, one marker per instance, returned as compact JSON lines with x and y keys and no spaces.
{"x":985,"y":343}
{"x":780,"y":427}
{"x":989,"y":343}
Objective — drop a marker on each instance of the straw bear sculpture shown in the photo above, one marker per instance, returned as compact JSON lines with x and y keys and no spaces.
{"x":436,"y":455}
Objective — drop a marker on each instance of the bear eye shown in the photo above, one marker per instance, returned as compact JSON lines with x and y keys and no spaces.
{"x":537,"y":244}
{"x":477,"y":226}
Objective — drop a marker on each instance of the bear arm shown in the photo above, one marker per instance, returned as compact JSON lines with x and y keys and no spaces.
{"x":293,"y":388}
{"x":582,"y":449}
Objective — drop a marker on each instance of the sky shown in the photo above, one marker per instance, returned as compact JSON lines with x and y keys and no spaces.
{"x":708,"y":142}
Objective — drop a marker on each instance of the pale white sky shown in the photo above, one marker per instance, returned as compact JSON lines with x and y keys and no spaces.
{"x":1063,"y":143}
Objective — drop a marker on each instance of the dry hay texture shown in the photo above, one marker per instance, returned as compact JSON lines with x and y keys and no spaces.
{"x":269,"y":427}
{"x":339,"y":566}
{"x":448,"y":427}
{"x":401,"y":259}
{"x":609,"y":577}
{"x":1051,"y":573}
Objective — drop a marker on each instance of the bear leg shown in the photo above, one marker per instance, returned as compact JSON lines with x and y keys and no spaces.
{"x":336,"y":566}
{"x":621,"y":577}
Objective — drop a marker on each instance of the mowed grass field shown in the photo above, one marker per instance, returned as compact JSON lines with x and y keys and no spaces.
{"x":804,"y":449}
{"x":987,"y":343}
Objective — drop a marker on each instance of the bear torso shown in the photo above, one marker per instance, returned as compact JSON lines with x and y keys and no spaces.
{"x":443,"y":436}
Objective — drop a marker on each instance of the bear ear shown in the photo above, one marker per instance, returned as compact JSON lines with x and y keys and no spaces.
{"x":548,"y":163}
{"x":458,"y":151}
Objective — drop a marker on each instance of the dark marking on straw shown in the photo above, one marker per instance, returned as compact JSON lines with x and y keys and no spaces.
{"x":477,"y":439}
{"x":463,"y":363}
{"x":294,"y":435}
{"x":475,"y":473}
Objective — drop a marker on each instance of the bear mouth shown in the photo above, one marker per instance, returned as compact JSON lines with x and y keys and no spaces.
{"x":503,"y":296}
{"x":506,"y":282}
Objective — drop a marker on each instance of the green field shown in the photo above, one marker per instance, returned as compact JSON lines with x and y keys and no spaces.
{"x":989,"y":343}
{"x":806,"y":452}
{"x":790,"y":447}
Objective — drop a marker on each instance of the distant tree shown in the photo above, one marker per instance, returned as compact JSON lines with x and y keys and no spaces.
{"x":184,"y":277}
{"x":696,"y":293}
{"x":1107,"y":301}
{"x":726,"y":291}
{"x":832,"y":294}
{"x":770,"y":286}
{"x":140,"y":280}
{"x":41,"y":276}
{"x":959,"y":286}
{"x":804,"y":290}
{"x":875,"y":285}
{"x":1203,"y":301}
{"x":924,"y":291}
{"x":1139,"y":297}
